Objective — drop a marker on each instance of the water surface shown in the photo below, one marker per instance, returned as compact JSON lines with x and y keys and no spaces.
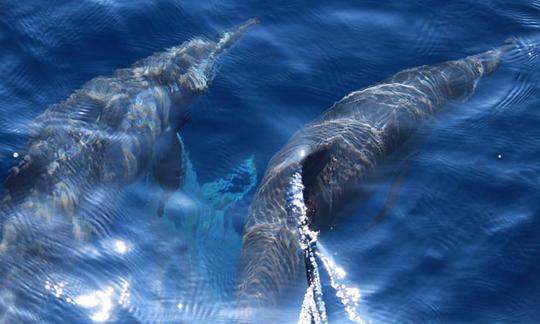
{"x":458,"y":245}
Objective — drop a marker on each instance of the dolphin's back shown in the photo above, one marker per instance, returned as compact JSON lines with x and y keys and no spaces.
{"x":412,"y":95}
{"x":335,"y":152}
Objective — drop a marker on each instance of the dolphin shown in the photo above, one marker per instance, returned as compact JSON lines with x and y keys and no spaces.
{"x":82,"y":151}
{"x":108,"y":132}
{"x":334,"y":154}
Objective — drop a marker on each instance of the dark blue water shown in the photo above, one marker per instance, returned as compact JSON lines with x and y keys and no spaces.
{"x":459,"y":243}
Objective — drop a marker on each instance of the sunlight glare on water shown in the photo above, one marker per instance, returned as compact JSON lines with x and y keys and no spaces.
{"x":99,"y":302}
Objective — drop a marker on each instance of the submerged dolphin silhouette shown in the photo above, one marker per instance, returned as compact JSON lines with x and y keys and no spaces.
{"x":334,"y":153}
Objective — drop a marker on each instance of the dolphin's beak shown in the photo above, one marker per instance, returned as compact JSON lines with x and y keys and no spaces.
{"x":228,"y":39}
{"x":202,"y":56}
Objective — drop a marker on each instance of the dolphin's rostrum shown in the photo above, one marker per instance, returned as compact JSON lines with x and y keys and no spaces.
{"x":334,"y":153}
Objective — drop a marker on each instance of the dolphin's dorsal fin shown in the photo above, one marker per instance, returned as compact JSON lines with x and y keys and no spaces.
{"x":170,"y":171}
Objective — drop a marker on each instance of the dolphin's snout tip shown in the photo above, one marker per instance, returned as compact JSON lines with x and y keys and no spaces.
{"x":229,"y":38}
{"x":519,"y":52}
{"x":252,"y":21}
{"x":248,"y":24}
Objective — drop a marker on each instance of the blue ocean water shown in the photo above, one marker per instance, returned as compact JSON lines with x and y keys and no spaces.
{"x":459,"y":244}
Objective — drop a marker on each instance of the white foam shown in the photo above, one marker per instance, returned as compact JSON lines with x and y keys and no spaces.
{"x":313,"y":307}
{"x":348,"y":296}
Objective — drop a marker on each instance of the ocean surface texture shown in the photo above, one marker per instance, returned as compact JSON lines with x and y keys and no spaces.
{"x":447,"y":231}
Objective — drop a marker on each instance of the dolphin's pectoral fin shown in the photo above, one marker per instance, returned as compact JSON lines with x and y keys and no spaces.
{"x":170,"y":172}
{"x":312,"y":165}
{"x":397,"y":181}
{"x":392,"y":198}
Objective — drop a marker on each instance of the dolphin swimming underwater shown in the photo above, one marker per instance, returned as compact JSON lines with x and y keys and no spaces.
{"x":105,"y":135}
{"x":334,"y":154}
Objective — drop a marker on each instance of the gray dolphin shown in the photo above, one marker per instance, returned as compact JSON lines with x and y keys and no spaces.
{"x":83,"y":151}
{"x":105,"y":134}
{"x":335,"y":153}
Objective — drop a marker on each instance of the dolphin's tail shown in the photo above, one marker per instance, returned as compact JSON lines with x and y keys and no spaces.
{"x":227,"y":39}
